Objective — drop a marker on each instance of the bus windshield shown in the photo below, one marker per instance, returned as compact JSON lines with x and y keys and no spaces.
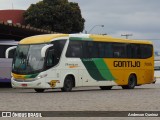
{"x":28,"y":59}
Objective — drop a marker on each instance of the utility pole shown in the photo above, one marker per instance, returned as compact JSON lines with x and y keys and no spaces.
{"x":126,"y":35}
{"x":12,"y":5}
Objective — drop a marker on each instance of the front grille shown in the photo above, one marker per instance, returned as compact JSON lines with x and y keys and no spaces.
{"x":20,"y":80}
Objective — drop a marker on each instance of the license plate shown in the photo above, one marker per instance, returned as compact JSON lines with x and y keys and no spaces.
{"x":24,"y":85}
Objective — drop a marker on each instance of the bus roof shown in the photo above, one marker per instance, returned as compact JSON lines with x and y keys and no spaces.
{"x":41,"y":38}
{"x":104,"y":38}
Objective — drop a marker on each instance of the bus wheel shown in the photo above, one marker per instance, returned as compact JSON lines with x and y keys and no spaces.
{"x":39,"y":90}
{"x":132,"y":81}
{"x":68,"y":84}
{"x":106,"y":87}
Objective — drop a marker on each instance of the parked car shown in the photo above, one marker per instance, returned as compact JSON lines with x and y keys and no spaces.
{"x":157,"y":70}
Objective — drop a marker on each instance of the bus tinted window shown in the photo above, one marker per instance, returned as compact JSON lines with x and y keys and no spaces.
{"x":101,"y":50}
{"x":105,"y":50}
{"x":74,"y":49}
{"x":91,"y":49}
{"x":146,"y":50}
{"x":119,"y":50}
{"x":139,"y":51}
{"x":133,"y":51}
{"x":98,"y":50}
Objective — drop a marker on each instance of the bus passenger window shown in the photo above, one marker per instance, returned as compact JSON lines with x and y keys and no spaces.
{"x":91,"y":49}
{"x":101,"y":50}
{"x":74,"y":49}
{"x":146,"y":51}
{"x":108,"y":53}
{"x":119,"y":50}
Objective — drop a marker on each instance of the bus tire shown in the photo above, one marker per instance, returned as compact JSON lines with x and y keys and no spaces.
{"x":39,"y":90}
{"x":132,"y":81}
{"x":106,"y":87}
{"x":68,"y":84}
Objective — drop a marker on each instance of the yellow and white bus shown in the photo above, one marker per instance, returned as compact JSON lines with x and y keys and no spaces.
{"x":73,"y":60}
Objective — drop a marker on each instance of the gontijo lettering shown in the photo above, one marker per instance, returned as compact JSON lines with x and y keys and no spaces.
{"x":126,"y":64}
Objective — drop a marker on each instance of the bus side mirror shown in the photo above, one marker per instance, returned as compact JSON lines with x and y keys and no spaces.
{"x":10,"y":52}
{"x":44,"y":49}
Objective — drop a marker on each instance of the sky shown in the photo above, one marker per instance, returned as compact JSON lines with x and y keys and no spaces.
{"x":141,"y":18}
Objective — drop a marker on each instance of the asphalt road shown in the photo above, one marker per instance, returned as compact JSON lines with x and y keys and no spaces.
{"x":142,"y":98}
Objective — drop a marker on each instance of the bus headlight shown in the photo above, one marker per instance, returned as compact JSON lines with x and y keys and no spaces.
{"x":41,"y":76}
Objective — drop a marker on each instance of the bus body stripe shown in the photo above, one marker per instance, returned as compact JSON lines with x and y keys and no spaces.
{"x":104,"y":70}
{"x":92,"y":70}
{"x":17,"y":76}
{"x":98,"y":69}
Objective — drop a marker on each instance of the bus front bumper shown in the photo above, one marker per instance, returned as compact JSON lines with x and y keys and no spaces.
{"x":35,"y":84}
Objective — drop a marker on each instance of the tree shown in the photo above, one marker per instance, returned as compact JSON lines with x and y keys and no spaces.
{"x":55,"y":15}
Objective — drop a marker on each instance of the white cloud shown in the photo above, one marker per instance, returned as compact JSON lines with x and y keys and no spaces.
{"x":139,"y":17}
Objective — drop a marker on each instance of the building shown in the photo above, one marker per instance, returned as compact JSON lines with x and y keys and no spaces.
{"x":12,"y":16}
{"x":12,"y":26}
